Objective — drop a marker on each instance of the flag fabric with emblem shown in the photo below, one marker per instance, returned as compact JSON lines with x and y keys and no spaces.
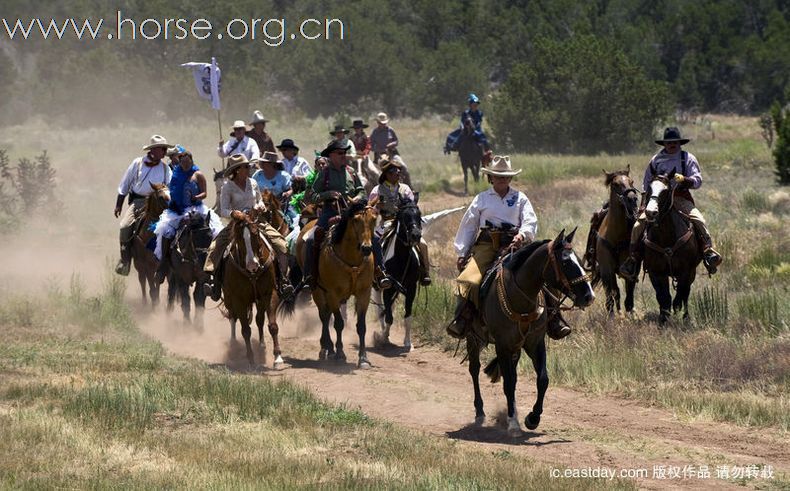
{"x":207,"y":80}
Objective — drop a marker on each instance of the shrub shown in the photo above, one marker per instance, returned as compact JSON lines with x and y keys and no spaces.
{"x":782,"y":148}
{"x":27,"y":188}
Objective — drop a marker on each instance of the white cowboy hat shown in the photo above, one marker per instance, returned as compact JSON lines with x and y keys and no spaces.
{"x":257,"y":117}
{"x":382,"y":118}
{"x":234,"y":162}
{"x":239,"y":124}
{"x":501,"y":167}
{"x":157,"y":141}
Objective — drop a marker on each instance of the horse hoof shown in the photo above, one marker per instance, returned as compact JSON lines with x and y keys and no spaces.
{"x":480,"y":420}
{"x":380,"y":339}
{"x":323,"y":354}
{"x":340,"y":356}
{"x":513,"y":426}
{"x":531,"y":421}
{"x":364,"y":364}
{"x":408,"y":347}
{"x":278,"y":362}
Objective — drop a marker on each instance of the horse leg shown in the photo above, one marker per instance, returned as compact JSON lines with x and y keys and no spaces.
{"x":539,"y":364}
{"x":260,"y":318}
{"x":629,"y":295}
{"x":612,"y":293}
{"x":142,"y":279}
{"x":682,"y":293}
{"x":326,"y":340}
{"x":171,"y":293}
{"x":232,"y":328}
{"x":274,"y":331}
{"x":199,"y":296}
{"x":153,"y":291}
{"x":507,"y":363}
{"x":476,"y":170}
{"x":473,"y":353}
{"x":183,"y":291}
{"x":408,"y":303}
{"x":466,"y":179}
{"x":340,"y":355}
{"x":380,"y":338}
{"x":246,"y":332}
{"x":663,"y":296}
{"x":362,"y":311}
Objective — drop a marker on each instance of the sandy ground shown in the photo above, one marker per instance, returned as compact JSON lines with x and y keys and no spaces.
{"x":430,"y":391}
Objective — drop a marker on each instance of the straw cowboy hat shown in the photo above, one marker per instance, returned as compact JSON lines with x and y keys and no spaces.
{"x":176,"y":150}
{"x":269,"y":158}
{"x":286,"y":144}
{"x":382,"y":118}
{"x":501,"y":167}
{"x":257,"y":117}
{"x":672,"y":134}
{"x":358,"y":123}
{"x":157,"y":141}
{"x":234,"y":162}
{"x":238,"y":124}
{"x":334,"y":145}
{"x":386,"y":164}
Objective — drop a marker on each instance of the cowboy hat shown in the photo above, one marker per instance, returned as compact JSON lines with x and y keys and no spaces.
{"x":358,"y":123}
{"x":338,"y":129}
{"x":501,"y":167}
{"x":157,"y":141}
{"x":382,"y":118}
{"x":175,"y":150}
{"x":334,"y":145}
{"x":269,"y":158}
{"x":286,"y":144}
{"x":234,"y":162}
{"x":672,"y":134}
{"x":238,"y":124}
{"x":257,"y":117}
{"x":386,"y":164}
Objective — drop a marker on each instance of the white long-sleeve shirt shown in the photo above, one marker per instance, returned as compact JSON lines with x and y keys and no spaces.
{"x":488,"y":206}
{"x":232,"y":197}
{"x":246,"y":147}
{"x":297,"y":166}
{"x":139,"y":177}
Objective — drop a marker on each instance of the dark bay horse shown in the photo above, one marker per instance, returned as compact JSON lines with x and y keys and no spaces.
{"x":187,"y":257}
{"x":345,"y":269}
{"x":614,"y":237}
{"x":671,"y":248}
{"x":512,"y":317}
{"x":248,"y":279}
{"x":470,"y":152}
{"x":404,"y":269}
{"x":143,"y":257}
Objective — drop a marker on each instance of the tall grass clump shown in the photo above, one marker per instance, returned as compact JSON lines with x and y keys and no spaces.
{"x":755,"y":201}
{"x":761,"y":307}
{"x":711,"y":305}
{"x":434,"y":312}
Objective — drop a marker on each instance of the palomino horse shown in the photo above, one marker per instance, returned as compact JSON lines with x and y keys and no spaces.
{"x":248,"y":280}
{"x":345,"y":269}
{"x":471,"y":152}
{"x":513,"y":318}
{"x":143,"y":258}
{"x":187,"y":257}
{"x":671,"y":249}
{"x":404,"y":269}
{"x":614,"y":237}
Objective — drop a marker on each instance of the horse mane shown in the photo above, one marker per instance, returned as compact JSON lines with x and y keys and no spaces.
{"x":518,"y":258}
{"x":270,"y":199}
{"x":340,"y":228}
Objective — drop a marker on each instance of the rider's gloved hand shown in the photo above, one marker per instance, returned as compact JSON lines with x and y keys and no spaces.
{"x":679,"y":178}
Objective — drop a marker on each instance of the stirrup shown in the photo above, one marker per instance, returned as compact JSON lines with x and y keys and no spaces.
{"x":122,"y":268}
{"x":425,"y":281}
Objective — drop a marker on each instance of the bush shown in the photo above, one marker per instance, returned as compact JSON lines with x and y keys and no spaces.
{"x":782,"y":148}
{"x":581,"y":95}
{"x":26,"y":188}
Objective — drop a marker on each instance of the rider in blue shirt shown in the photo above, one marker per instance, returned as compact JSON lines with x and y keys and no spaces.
{"x":474,"y":113}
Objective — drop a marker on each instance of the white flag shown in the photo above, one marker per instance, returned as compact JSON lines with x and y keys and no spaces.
{"x":207,"y":80}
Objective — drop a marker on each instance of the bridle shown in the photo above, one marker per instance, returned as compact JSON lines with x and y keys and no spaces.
{"x":622,"y":197}
{"x":670,"y":190}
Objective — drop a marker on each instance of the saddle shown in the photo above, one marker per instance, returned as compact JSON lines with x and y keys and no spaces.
{"x":199,"y":229}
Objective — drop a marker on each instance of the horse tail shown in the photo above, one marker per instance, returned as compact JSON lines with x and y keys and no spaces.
{"x":287,"y":306}
{"x":493,"y":371}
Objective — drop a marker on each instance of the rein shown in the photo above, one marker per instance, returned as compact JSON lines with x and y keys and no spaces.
{"x":253,"y":277}
{"x":354,"y":270}
{"x":668,"y":252}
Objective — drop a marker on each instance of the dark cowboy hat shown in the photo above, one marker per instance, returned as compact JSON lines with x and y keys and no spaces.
{"x":287,"y":143}
{"x":358,"y":123}
{"x":672,"y":135}
{"x":338,"y":129}
{"x":386,"y":164}
{"x":334,"y":145}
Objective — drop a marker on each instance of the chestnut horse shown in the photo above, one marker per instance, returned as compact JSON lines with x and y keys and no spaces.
{"x":614,"y":237}
{"x":671,"y":248}
{"x":143,"y":258}
{"x":248,"y":280}
{"x":345,"y":269}
{"x":512,"y":317}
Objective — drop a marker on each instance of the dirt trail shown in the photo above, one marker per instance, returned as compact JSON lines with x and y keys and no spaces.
{"x":430,"y":391}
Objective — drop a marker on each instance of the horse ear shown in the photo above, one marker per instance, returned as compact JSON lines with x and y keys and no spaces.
{"x":671,"y":175}
{"x":628,"y":170}
{"x":569,"y":237}
{"x":560,"y":239}
{"x":416,"y":197}
{"x":609,"y":177}
{"x":373,"y":202}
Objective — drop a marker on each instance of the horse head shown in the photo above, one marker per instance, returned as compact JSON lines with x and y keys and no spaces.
{"x":246,"y":241}
{"x":566,"y":273}
{"x":359,"y":219}
{"x":469,"y":125}
{"x":409,"y":220}
{"x":157,"y":201}
{"x":621,"y":186}
{"x":659,"y":199}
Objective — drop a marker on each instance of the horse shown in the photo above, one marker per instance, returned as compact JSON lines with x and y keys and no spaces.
{"x":614,"y":237}
{"x":345,"y":269}
{"x":404,"y":269}
{"x":143,"y":258}
{"x":248,"y":280}
{"x":187,"y":257}
{"x":671,"y":248}
{"x":471,"y":152}
{"x":512,"y":317}
{"x":219,"y":181}
{"x":368,"y":173}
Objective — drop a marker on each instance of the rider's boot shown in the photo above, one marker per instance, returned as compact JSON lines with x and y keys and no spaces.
{"x":213,"y":283}
{"x":284,"y":289}
{"x":164,"y":263}
{"x":589,"y":259}
{"x":124,"y":264}
{"x":630,"y":267}
{"x":556,"y":327}
{"x":462,"y":318}
{"x":710,"y":258}
{"x":312,"y":254}
{"x":425,"y":265}
{"x":381,"y":278}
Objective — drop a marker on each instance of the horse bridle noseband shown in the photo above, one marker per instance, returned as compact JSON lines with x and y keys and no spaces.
{"x":622,"y":197}
{"x":560,"y":275}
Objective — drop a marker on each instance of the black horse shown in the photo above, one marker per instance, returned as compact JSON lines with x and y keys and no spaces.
{"x":404,"y":269}
{"x":187,"y":257}
{"x":671,"y":248}
{"x":470,"y":151}
{"x":513,"y":317}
